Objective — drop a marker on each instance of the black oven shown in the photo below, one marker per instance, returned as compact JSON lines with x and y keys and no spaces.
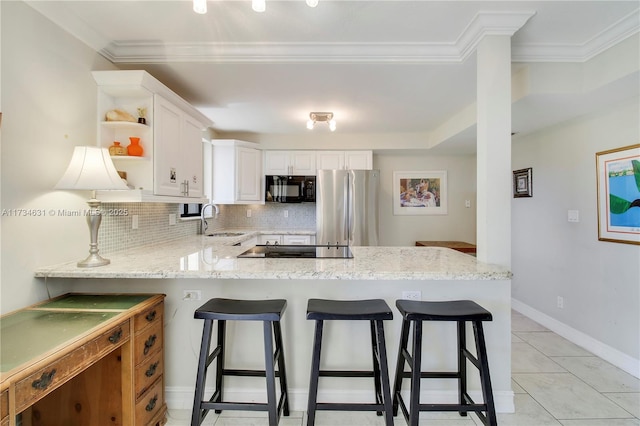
{"x":290,"y":189}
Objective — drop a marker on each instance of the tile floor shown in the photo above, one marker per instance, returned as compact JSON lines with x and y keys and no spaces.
{"x":555,"y":383}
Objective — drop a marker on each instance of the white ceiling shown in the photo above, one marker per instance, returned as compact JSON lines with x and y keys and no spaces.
{"x":380,"y":66}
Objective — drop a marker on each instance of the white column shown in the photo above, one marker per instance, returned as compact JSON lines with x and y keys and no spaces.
{"x":494,"y":150}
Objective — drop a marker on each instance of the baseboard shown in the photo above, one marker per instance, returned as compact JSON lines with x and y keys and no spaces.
{"x":606,"y":352}
{"x":181,"y":398}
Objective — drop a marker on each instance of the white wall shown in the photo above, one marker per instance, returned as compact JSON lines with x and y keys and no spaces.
{"x":49,"y":106}
{"x":460,"y":222}
{"x":599,"y":281}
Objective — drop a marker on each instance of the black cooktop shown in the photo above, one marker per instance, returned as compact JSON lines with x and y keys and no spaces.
{"x":298,"y":251}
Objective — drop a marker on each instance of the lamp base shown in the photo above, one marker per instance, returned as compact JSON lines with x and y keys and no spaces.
{"x":94,"y":217}
{"x":92,"y":261}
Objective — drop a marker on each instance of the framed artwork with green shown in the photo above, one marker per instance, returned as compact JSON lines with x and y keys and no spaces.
{"x":618,"y":179}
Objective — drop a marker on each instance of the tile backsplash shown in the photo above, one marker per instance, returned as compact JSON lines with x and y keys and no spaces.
{"x":116,"y":231}
{"x":267,"y":216}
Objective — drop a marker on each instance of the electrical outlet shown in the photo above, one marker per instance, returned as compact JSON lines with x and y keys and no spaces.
{"x":412,"y":295}
{"x":248,"y":213}
{"x":467,"y":203}
{"x":560,"y":302}
{"x":191,"y":295}
{"x":134,"y":221}
{"x":286,"y":213}
{"x":172,"y":219}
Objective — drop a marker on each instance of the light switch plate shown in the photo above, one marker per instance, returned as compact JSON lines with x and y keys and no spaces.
{"x":573,"y":216}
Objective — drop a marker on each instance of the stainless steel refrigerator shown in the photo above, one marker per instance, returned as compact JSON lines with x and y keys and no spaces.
{"x":347,"y":207}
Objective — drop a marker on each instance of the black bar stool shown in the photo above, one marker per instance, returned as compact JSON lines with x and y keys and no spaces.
{"x":269,"y":312}
{"x":459,"y":311}
{"x":375,"y":311}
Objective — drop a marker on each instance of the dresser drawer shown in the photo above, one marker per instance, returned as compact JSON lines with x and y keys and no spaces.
{"x":148,"y":317}
{"x":4,"y":408}
{"x":148,"y":372}
{"x":150,"y":404}
{"x":148,"y":342}
{"x":45,"y":380}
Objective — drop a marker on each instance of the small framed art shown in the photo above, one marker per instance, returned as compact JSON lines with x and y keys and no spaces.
{"x":523,"y":183}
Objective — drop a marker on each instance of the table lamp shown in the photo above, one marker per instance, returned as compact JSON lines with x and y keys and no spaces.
{"x":91,"y":169}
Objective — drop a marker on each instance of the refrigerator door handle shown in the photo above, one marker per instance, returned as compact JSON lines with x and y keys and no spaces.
{"x":347,"y":209}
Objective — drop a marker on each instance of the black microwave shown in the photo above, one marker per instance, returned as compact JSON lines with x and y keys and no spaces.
{"x":290,"y":189}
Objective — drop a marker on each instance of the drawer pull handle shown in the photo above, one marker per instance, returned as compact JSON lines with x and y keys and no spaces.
{"x":152,"y":403}
{"x":115,"y":337}
{"x":152,"y":369}
{"x":44,"y":381}
{"x":151,"y":316}
{"x":149,"y":343}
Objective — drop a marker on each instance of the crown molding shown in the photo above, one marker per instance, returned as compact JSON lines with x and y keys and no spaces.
{"x":609,"y":37}
{"x":483,"y":24}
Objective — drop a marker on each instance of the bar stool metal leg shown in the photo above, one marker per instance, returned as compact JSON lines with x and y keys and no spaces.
{"x":487,"y":391}
{"x":403,"y":356}
{"x":198,"y":414}
{"x":416,"y":364}
{"x":315,"y":368}
{"x":269,"y":365}
{"x":281,"y":369}
{"x":383,"y":371}
{"x":462,"y":365}
{"x":376,"y":366}
{"x":222,"y":328}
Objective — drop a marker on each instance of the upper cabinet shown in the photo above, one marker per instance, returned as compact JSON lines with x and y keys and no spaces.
{"x":178,"y":160}
{"x":233,"y":172}
{"x":170,"y":168}
{"x":341,"y":160}
{"x":291,"y":163}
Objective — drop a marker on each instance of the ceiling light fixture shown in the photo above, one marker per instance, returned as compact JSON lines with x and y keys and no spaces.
{"x":200,"y":6}
{"x":312,"y":3}
{"x":326,"y":117}
{"x":259,"y":5}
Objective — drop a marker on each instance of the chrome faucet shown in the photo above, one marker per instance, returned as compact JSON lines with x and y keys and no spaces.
{"x":216,"y":210}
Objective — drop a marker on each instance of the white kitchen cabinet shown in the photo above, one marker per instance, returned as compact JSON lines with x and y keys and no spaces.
{"x":304,"y":240}
{"x":233,"y":172}
{"x":270,"y":239}
{"x":170,"y":169}
{"x":178,"y":163}
{"x":302,"y":163}
{"x":344,"y":160}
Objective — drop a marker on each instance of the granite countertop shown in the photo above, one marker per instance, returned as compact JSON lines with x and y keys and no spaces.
{"x":216,"y":257}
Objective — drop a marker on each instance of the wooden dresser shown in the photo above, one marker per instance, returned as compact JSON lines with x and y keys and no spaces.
{"x":84,"y":359}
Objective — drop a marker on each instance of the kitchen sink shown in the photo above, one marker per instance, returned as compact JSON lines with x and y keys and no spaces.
{"x":225,"y":234}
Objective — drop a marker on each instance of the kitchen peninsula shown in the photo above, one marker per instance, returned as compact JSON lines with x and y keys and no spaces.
{"x":211,"y":266}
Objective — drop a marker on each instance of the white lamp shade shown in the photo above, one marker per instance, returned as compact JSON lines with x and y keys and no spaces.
{"x":90,"y":168}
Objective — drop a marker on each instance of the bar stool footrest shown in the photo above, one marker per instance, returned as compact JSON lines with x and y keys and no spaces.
{"x":348,"y":406}
{"x":345,"y":373}
{"x":244,"y":406}
{"x":246,"y":373}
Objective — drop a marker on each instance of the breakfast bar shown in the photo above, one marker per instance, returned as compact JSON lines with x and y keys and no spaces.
{"x":191,"y":270}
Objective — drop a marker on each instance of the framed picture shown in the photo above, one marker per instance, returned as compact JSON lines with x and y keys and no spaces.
{"x":418,"y":193}
{"x":618,"y":180}
{"x":523,"y":183}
